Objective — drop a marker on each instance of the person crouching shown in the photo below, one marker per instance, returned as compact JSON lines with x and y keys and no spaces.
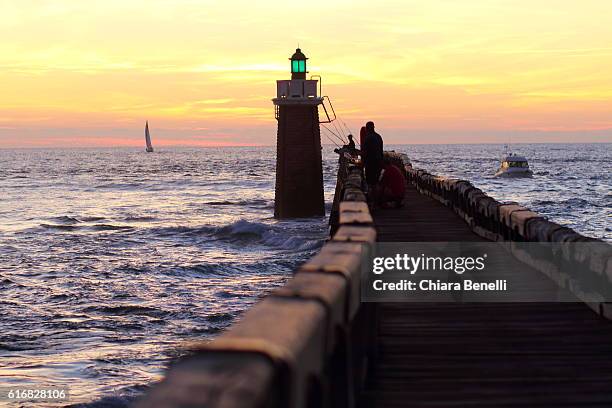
{"x":392,"y":186}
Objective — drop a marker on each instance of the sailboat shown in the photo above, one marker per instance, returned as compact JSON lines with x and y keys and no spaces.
{"x":148,"y":138}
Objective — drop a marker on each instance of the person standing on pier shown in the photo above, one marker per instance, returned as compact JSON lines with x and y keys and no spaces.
{"x":362,"y":135}
{"x":372,"y":156}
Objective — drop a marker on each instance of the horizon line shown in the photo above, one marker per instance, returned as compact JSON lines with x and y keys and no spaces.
{"x":274,"y":145}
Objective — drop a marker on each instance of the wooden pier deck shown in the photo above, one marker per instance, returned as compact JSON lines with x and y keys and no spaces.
{"x":485,"y":354}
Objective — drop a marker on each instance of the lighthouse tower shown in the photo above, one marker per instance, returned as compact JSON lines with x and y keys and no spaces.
{"x":299,"y":173}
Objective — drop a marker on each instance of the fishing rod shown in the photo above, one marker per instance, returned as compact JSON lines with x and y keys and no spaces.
{"x":346,"y":128}
{"x":334,"y":133}
{"x":350,"y":132}
{"x":340,"y":132}
{"x":330,"y":139}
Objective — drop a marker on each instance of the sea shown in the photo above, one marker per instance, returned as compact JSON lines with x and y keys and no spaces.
{"x":113,"y":260}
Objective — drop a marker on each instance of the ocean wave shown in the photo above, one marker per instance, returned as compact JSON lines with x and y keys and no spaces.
{"x":267,"y":235}
{"x":142,"y":218}
{"x":71,"y":220}
{"x":6,"y":249}
{"x":220,"y":317}
{"x":295,"y":243}
{"x":576,"y":202}
{"x":17,"y":346}
{"x":181,"y":230}
{"x":253,"y":202}
{"x":61,"y":227}
{"x":96,"y":227}
{"x":16,"y":342}
{"x":6,"y":281}
{"x":125,"y":310}
{"x":544,"y":202}
{"x":243,"y":227}
{"x":120,"y":186}
{"x":204,"y":269}
{"x":221,"y":203}
{"x":65,"y":219}
{"x":109,"y":227}
{"x":91,"y":219}
{"x":245,"y":232}
{"x":236,"y":229}
{"x":229,"y":294}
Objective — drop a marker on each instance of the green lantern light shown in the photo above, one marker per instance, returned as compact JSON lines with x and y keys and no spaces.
{"x":298,"y":65}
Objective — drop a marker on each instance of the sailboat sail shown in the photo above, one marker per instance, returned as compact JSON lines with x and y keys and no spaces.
{"x":148,"y":138}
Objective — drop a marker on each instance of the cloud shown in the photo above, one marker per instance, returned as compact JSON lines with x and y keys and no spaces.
{"x":187,"y":64}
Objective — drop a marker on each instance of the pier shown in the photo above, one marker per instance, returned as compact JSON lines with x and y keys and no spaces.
{"x":314,"y":343}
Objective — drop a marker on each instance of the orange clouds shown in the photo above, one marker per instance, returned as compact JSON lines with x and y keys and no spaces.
{"x":437,"y":66}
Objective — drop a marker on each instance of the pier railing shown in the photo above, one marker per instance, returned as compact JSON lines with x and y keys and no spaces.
{"x":511,"y":222}
{"x":302,"y":341}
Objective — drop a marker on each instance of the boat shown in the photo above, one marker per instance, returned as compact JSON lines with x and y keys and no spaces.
{"x":513,"y":165}
{"x":148,"y":138}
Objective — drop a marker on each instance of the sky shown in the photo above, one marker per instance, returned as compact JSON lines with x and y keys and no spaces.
{"x":90,"y":73}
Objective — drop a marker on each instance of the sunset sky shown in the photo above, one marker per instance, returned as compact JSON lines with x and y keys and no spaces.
{"x":89,"y":73}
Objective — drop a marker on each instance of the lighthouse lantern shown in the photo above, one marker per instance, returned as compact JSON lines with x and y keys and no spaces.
{"x":298,"y":65}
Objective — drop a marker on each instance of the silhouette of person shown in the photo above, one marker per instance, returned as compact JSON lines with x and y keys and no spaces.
{"x":348,"y":148}
{"x":362,"y":135}
{"x":351,"y":143}
{"x":372,"y":155}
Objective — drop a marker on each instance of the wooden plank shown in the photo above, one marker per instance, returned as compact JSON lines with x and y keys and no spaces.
{"x":482,"y":355}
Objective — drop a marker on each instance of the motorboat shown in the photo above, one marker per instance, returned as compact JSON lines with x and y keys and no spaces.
{"x":513,"y":165}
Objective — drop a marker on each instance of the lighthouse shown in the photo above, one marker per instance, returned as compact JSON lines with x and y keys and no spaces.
{"x":299,"y":172}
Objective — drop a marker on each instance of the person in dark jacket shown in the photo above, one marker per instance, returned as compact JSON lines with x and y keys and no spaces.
{"x":351,"y":143}
{"x":348,"y":148}
{"x":372,"y":155}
